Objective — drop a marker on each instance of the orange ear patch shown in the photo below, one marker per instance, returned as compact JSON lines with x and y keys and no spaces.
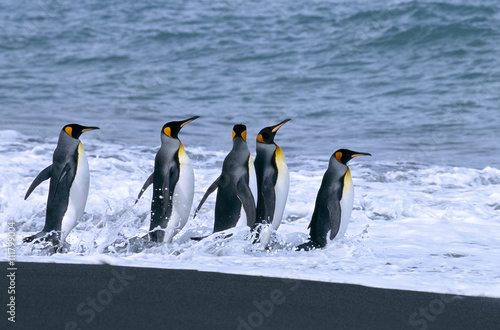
{"x":338,"y":155}
{"x":167,"y":131}
{"x":243,"y":135}
{"x":260,"y":139}
{"x":69,"y":130}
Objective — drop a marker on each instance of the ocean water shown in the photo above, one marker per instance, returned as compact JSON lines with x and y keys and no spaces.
{"x":416,"y":84}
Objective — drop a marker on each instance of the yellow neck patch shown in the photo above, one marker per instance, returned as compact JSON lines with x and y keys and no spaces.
{"x":181,"y":151}
{"x":279,"y":155}
{"x":347,"y":179}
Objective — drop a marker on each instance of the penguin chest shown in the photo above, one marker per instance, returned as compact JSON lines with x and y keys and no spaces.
{"x":182,"y":198}
{"x":77,"y":194}
{"x":281,"y":187}
{"x":346,"y":203}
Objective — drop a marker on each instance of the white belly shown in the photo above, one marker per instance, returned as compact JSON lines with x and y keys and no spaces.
{"x":78,"y":194}
{"x":182,"y":199}
{"x":281,"y":192}
{"x":346,"y":204}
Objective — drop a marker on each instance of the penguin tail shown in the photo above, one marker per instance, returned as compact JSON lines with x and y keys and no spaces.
{"x":198,"y":238}
{"x":308,"y":246}
{"x":219,"y":237}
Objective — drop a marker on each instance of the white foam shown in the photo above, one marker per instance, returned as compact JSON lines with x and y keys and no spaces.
{"x":413,"y":226}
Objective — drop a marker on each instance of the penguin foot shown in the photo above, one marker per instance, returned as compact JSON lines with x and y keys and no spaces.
{"x":43,"y":236}
{"x":30,"y":239}
{"x":61,"y":248}
{"x":308,"y":246}
{"x":157,"y":235}
{"x":49,"y":243}
{"x":37,"y":238}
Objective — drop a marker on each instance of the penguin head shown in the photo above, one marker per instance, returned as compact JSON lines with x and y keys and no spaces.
{"x":345,"y":155}
{"x":240,"y":130}
{"x":266,"y":135}
{"x":75,"y":130}
{"x":173,"y":128}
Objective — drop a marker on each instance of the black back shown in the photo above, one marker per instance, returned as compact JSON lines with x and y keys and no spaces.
{"x":63,"y":171}
{"x":234,"y":173}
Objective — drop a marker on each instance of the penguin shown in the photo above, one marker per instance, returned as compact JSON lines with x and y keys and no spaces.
{"x":173,"y":185}
{"x":236,"y":186}
{"x":272,"y":182}
{"x":68,"y":189}
{"x":334,"y":202}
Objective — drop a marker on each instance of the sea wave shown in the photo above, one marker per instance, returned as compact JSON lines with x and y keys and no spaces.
{"x":414,"y":225}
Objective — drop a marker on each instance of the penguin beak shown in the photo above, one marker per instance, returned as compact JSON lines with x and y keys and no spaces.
{"x":277,"y":127}
{"x":89,"y":128}
{"x":360,"y":154}
{"x":187,"y":121}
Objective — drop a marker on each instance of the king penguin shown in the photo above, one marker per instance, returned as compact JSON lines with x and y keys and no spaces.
{"x":334,"y":202}
{"x":69,"y":186}
{"x":236,"y":186}
{"x":173,"y":185}
{"x":272,"y":182}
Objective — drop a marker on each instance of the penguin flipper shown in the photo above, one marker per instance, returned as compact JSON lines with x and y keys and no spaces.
{"x":269,"y":203}
{"x":245,"y":196}
{"x":42,"y":176}
{"x":210,"y":190}
{"x":148,"y":182}
{"x":169,"y":186}
{"x":335,"y":217}
{"x":64,"y":172}
{"x":198,"y":238}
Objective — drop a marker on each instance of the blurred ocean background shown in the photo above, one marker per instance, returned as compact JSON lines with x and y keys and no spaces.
{"x":404,"y":80}
{"x":415,"y":83}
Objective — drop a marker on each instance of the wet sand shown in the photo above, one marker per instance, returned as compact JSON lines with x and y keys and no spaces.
{"x":76,"y":296}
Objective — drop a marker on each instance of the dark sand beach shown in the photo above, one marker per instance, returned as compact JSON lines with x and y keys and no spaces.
{"x":77,"y":296}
